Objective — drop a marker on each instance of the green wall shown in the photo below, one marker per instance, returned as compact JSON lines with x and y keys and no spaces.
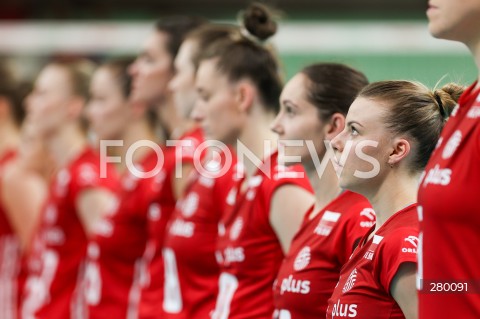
{"x":428,"y":69}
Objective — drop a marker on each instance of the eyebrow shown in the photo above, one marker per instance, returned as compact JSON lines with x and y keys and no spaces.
{"x":290,"y":103}
{"x":349,"y":123}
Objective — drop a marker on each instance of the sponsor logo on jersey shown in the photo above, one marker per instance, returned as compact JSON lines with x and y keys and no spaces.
{"x":369,"y":213}
{"x":51,"y":214}
{"x":344,"y":310}
{"x":54,"y":236}
{"x":182,"y":228}
{"x":234,"y":255}
{"x":438,"y":176}
{"x":371,"y":252}
{"x":325,"y":226}
{"x":452,"y":144}
{"x":236,"y":228}
{"x":189,"y":205}
{"x":154,"y":212}
{"x":303,"y":259}
{"x":295,"y":286}
{"x":413,"y":241}
{"x":474,"y":112}
{"x":88,"y":175}
{"x":350,"y":281}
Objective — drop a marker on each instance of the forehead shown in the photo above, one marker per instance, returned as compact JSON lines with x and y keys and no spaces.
{"x":53,"y":76}
{"x":185,"y":53}
{"x":366,"y":111}
{"x":209,"y":76}
{"x":296,"y":88}
{"x":156,"y":43}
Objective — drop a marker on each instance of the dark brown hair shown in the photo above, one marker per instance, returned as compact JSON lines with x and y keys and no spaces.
{"x":332,"y":87}
{"x":207,"y":34}
{"x":14,"y":92}
{"x":244,"y":56}
{"x":416,"y":111}
{"x":177,"y":27}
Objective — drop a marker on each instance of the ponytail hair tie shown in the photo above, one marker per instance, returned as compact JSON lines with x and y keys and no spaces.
{"x":443,"y":113}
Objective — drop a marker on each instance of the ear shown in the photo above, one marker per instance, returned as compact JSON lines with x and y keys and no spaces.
{"x":334,"y":126}
{"x":244,"y":96}
{"x":400,"y":150}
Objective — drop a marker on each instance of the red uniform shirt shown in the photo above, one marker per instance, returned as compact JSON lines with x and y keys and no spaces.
{"x":318,"y":251}
{"x":191,"y":270}
{"x":249,"y":252}
{"x":363,"y":290}
{"x":55,"y":267}
{"x":450,"y":218}
{"x":116,"y":262}
{"x":9,"y":257}
{"x":152,"y":292}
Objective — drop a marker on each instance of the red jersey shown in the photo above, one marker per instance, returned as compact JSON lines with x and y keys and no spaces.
{"x":191,"y":275}
{"x":363,"y":290}
{"x":9,"y":257}
{"x":321,"y":247}
{"x":115,"y":256}
{"x":152,"y":291}
{"x":248,"y":250}
{"x":55,"y":267}
{"x":450,"y":218}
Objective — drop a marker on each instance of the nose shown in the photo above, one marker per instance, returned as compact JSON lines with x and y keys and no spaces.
{"x":276,"y":125}
{"x":197,"y":112}
{"x":172,"y":84}
{"x":337,"y":143}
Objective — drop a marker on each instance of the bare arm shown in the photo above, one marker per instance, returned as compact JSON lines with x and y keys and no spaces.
{"x":288,"y":207}
{"x":23,"y":194}
{"x":403,"y":290}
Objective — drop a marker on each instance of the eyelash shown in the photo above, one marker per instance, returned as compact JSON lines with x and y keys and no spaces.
{"x":353,"y":130}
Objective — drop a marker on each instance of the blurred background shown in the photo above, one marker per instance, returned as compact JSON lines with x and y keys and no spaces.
{"x":384,"y":39}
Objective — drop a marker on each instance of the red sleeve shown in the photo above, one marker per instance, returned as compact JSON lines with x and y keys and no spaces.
{"x":294,"y":175}
{"x":358,"y":220}
{"x":398,"y":248}
{"x":87,"y":176}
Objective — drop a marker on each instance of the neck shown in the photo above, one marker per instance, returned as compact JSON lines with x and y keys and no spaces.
{"x":10,"y":137}
{"x":325,"y":185}
{"x":66,"y":144}
{"x":136,"y":131}
{"x":254,"y":136}
{"x":395,"y":193}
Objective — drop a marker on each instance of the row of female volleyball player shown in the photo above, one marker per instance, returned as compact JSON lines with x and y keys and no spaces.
{"x":338,"y":240}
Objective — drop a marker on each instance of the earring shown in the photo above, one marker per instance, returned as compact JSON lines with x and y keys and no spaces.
{"x":391,"y":165}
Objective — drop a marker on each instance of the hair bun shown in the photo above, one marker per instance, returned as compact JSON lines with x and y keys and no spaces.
{"x":447,"y":97}
{"x":258,"y":21}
